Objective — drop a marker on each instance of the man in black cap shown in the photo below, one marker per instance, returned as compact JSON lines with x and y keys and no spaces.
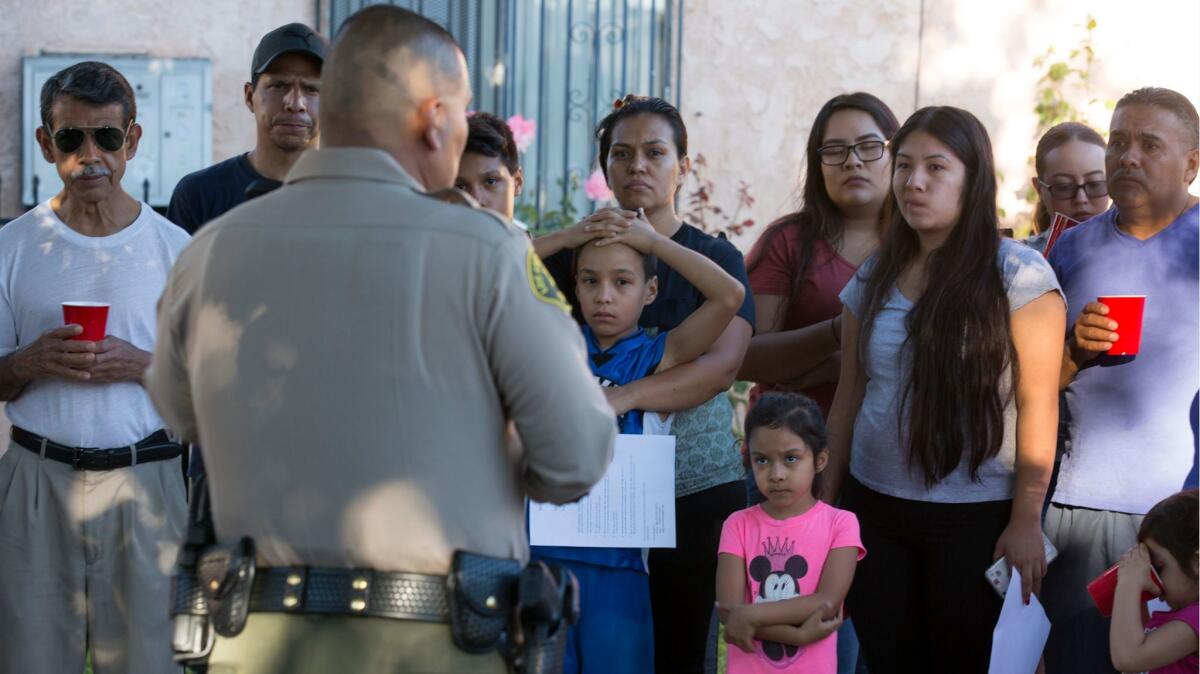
{"x":283,"y":93}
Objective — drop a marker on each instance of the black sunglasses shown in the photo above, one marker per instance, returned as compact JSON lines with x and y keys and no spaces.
{"x":1092,"y":188}
{"x":109,"y":138}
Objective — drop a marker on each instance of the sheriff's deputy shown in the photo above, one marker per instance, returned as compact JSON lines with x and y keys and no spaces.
{"x":349,"y":351}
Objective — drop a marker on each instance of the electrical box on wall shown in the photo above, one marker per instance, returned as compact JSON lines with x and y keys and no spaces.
{"x":174,"y":109}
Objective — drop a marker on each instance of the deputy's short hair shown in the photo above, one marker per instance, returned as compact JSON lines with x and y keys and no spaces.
{"x":1169,"y":100}
{"x":91,"y":82}
{"x":359,"y":56}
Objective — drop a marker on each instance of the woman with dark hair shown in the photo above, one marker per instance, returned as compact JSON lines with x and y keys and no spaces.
{"x":490,"y":170}
{"x":643,"y":153}
{"x":946,"y":407}
{"x":803,"y":260}
{"x":1069,"y":162}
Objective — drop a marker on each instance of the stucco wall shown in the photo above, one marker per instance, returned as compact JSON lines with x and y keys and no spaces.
{"x":754,"y":75}
{"x":225,"y":31}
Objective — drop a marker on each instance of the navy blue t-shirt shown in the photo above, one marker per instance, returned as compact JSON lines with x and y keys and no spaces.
{"x":206,"y":194}
{"x":677,"y":297}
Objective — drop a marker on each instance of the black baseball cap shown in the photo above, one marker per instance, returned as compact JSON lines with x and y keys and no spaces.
{"x":293,"y":38}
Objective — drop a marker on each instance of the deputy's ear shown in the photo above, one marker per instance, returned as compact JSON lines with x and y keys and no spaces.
{"x":431,"y":115}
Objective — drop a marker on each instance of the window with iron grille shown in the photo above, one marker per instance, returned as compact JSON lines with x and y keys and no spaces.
{"x":560,"y":63}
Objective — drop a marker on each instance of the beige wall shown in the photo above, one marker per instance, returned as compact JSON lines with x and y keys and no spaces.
{"x":224,"y":31}
{"x":754,"y":80}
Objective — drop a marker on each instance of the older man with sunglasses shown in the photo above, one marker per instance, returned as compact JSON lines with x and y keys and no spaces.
{"x":92,"y":502}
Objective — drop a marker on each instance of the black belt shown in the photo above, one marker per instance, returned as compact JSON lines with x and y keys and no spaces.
{"x":406,"y":596}
{"x":333,"y":591}
{"x":156,"y":447}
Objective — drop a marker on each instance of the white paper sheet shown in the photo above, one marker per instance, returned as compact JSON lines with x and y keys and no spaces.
{"x":1020,"y":634}
{"x":632,"y":507}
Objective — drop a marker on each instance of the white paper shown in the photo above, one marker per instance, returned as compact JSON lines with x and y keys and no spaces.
{"x":632,"y":507}
{"x":1020,"y":634}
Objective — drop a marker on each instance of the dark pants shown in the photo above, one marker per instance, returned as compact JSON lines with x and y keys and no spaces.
{"x":919,"y":600}
{"x":683,"y":580}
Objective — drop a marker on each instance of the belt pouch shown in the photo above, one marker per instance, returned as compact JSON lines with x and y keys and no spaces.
{"x":226,"y":575}
{"x":481,"y":594}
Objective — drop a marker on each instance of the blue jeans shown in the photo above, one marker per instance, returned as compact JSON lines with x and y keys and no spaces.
{"x":615,"y":632}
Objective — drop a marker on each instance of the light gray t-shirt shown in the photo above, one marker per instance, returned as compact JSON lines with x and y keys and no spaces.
{"x":879,"y":459}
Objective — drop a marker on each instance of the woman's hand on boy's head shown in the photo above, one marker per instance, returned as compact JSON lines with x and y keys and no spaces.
{"x":1135,"y":568}
{"x":603,"y":223}
{"x":639,"y":234}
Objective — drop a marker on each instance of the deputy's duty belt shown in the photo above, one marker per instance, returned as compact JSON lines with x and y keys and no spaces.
{"x":155,"y":447}
{"x":334,"y":591}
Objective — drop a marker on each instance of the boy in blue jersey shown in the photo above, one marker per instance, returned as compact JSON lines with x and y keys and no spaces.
{"x":615,"y":278}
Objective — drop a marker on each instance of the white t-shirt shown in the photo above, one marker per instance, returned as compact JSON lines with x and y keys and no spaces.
{"x":44,"y":263}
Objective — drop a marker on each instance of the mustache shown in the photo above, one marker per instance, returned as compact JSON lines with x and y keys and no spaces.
{"x":1127,"y":174}
{"x":90,"y":171}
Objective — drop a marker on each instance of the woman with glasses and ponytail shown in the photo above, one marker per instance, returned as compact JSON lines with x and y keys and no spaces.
{"x":942,"y":431}
{"x":1070,"y":177}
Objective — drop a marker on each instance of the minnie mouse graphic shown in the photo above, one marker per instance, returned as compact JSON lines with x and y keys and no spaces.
{"x":778,"y":572}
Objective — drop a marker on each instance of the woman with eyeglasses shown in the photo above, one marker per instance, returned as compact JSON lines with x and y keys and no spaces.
{"x":1070,"y":177}
{"x":803,"y":260}
{"x":941,"y":435}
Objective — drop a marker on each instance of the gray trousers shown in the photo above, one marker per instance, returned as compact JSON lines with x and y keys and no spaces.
{"x":1088,"y":543}
{"x":85,"y":563}
{"x":276,"y":643}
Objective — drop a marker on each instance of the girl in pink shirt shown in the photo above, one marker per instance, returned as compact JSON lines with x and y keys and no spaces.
{"x":784,"y":566}
{"x":1168,"y":542}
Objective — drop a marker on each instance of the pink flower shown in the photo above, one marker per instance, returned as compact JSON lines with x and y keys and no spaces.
{"x":596,"y":187}
{"x":524,"y":131}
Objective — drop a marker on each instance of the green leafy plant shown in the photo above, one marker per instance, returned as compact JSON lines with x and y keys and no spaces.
{"x":1064,"y":91}
{"x":565,"y":215}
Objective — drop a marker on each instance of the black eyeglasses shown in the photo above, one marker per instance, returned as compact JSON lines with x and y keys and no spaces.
{"x":109,"y":138}
{"x":1092,"y":188}
{"x":868,"y":150}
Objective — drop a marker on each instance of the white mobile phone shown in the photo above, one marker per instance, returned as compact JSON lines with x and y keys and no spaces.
{"x":999,"y":574}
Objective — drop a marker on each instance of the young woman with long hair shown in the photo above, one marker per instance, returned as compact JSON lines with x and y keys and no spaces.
{"x":947,"y":405}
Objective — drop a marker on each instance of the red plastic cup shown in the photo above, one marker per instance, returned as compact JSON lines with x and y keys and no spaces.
{"x":1104,"y":588}
{"x":1126,"y":310}
{"x":93,"y":316}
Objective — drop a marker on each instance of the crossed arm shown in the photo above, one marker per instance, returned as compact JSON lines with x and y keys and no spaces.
{"x":798,"y":621}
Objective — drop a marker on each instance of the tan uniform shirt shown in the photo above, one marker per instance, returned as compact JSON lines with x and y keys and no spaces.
{"x":348,"y":352}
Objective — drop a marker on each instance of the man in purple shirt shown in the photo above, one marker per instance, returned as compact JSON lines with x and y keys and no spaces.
{"x":1131,"y":417}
